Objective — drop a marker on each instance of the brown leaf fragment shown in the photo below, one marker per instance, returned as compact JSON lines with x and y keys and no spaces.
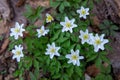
{"x":20,"y":3}
{"x":92,"y":70}
{"x":4,"y":46}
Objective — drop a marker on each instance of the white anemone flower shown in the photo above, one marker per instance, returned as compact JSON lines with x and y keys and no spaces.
{"x":98,"y":42}
{"x":68,"y":25}
{"x":83,"y":12}
{"x":42,"y":32}
{"x":49,"y":18}
{"x":17,"y":52}
{"x":85,"y":36}
{"x":74,"y":57}
{"x":17,"y":31}
{"x":52,"y":50}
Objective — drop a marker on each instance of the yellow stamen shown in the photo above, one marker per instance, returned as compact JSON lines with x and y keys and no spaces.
{"x":68,"y":24}
{"x":83,"y":12}
{"x":49,"y":18}
{"x":85,"y":36}
{"x":74,"y":57}
{"x":41,"y":31}
{"x":52,"y":50}
{"x":98,"y":41}
{"x":18,"y":53}
{"x":17,"y":30}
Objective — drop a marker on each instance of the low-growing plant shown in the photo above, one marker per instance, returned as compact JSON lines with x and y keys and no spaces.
{"x":108,"y":28}
{"x":62,"y":48}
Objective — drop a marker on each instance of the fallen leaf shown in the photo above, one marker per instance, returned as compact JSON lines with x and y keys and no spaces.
{"x":92,"y":70}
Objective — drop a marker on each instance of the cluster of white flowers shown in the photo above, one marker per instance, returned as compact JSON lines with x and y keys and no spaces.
{"x":97,"y":41}
{"x":86,"y":37}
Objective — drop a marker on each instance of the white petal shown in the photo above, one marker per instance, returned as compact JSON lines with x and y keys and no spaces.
{"x":13,"y":57}
{"x":102,"y":47}
{"x":84,"y":16}
{"x":69,"y":61}
{"x":66,"y":19}
{"x":74,"y":62}
{"x":77,"y":51}
{"x":78,"y":11}
{"x":96,"y":49}
{"x":18,"y":59}
{"x":53,"y":45}
{"x":57,"y":54}
{"x":72,"y":21}
{"x":72,"y":51}
{"x":81,"y":57}
{"x":51,"y":56}
{"x":62,"y":23}
{"x":71,"y":30}
{"x":68,"y":56}
{"x":63,"y":29}
{"x":78,"y":63}
{"x":47,"y":53}
{"x":105,"y":41}
{"x":42,"y":28}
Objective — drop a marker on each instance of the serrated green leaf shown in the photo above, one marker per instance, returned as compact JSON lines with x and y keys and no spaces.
{"x":32,"y":77}
{"x":66,"y":3}
{"x":56,"y":35}
{"x":61,"y":8}
{"x":56,"y":76}
{"x":54,"y":4}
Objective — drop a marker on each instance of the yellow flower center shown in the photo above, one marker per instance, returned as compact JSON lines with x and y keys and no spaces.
{"x":68,"y":24}
{"x":97,"y":41}
{"x":41,"y":31}
{"x":17,"y":30}
{"x":83,"y":12}
{"x":49,"y":18}
{"x":85,"y":36}
{"x":74,"y":57}
{"x":52,"y":50}
{"x":18,"y":53}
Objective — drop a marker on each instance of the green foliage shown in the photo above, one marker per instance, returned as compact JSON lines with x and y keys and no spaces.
{"x":34,"y":55}
{"x":33,"y":14}
{"x":108,"y":28}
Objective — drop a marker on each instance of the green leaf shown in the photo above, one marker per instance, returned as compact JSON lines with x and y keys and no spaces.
{"x":114,"y":27}
{"x":61,"y":39}
{"x":74,"y":38}
{"x":78,"y":47}
{"x":66,"y":3}
{"x":66,"y":44}
{"x":78,"y":71}
{"x":54,"y":4}
{"x":28,"y":11}
{"x":98,"y":62}
{"x":32,"y":77}
{"x":70,"y":71}
{"x":56,"y":35}
{"x":16,"y":73}
{"x":36,"y":64}
{"x":91,"y":58}
{"x":100,"y":77}
{"x":56,"y":76}
{"x":109,"y":77}
{"x":65,"y":65}
{"x":61,"y":8}
{"x":61,"y":57}
{"x":65,"y":77}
